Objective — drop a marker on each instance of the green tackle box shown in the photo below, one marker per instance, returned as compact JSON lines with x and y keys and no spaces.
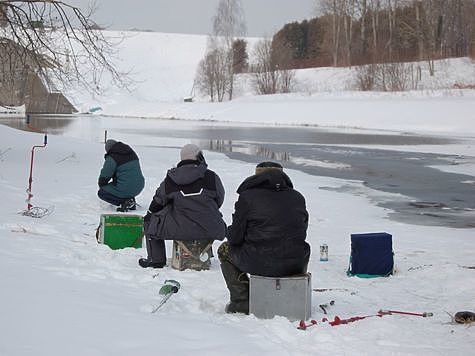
{"x":120,"y":231}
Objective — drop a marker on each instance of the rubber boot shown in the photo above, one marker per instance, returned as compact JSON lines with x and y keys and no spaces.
{"x":156,"y":252}
{"x":129,"y":204}
{"x":238,"y":285}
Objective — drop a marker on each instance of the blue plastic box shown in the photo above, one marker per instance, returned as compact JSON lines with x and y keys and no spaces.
{"x":371,"y":255}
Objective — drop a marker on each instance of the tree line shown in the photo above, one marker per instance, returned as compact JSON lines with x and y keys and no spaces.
{"x":386,"y":34}
{"x":356,"y":32}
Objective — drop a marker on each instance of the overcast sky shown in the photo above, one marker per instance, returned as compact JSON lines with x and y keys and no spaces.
{"x":263,"y":17}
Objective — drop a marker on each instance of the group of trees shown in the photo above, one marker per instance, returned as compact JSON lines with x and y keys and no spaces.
{"x":355,"y":32}
{"x":227,"y":55}
{"x":382,"y":33}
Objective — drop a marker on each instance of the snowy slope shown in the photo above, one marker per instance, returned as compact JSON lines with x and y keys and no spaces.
{"x":163,"y":67}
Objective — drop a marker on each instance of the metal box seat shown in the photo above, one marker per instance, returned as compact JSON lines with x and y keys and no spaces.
{"x":290,"y":297}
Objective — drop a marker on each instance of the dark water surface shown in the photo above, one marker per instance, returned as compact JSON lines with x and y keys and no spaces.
{"x":434,"y":197}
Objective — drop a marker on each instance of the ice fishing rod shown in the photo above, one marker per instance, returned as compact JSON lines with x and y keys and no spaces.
{"x":424,"y":315}
{"x":30,"y":179}
{"x":338,"y":321}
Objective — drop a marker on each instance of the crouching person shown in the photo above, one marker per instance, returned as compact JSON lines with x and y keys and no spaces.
{"x":121,"y":178}
{"x":185,"y":207}
{"x":267,"y":235}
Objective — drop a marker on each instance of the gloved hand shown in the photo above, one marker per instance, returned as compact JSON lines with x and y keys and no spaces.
{"x":147,"y":217}
{"x":146,"y":222}
{"x":102,"y":181}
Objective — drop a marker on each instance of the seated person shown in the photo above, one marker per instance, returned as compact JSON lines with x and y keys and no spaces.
{"x":185,"y":207}
{"x":121,"y":179}
{"x":267,"y":235}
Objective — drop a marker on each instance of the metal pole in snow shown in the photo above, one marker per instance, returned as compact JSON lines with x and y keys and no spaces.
{"x":30,"y":179}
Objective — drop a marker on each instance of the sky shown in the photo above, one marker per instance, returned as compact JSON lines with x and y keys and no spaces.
{"x":263,"y":17}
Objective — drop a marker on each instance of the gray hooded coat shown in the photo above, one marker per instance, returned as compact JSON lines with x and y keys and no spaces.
{"x":186,"y":205}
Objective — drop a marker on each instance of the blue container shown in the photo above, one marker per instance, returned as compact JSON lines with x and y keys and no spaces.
{"x":371,"y":255}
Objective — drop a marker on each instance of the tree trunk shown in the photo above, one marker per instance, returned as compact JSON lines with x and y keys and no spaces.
{"x":336,"y":33}
{"x":375,"y":24}
{"x":364,"y":43}
{"x":420,"y":36}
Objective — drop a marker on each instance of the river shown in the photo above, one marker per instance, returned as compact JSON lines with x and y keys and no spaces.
{"x":430,"y":196}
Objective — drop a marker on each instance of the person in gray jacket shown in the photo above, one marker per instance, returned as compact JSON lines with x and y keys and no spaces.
{"x":185,"y":207}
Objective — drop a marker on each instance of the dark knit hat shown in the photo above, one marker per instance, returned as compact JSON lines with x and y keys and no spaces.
{"x":265,"y":166}
{"x":189,"y":151}
{"x":109,"y":144}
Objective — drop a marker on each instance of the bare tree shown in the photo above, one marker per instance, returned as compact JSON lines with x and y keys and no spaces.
{"x":264,"y":71}
{"x":58,"y":42}
{"x":366,"y":77}
{"x":396,"y":76}
{"x":286,"y":80}
{"x":362,"y":9}
{"x":271,"y":73}
{"x":333,"y":9}
{"x":204,"y":79}
{"x":228,"y":24}
{"x":212,"y":76}
{"x":349,"y":13}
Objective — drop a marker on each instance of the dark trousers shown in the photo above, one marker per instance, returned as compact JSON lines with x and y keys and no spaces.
{"x":156,"y":251}
{"x":110,"y":198}
{"x":236,"y":281}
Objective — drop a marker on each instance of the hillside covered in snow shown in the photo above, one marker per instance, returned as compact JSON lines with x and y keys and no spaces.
{"x":163,"y":68}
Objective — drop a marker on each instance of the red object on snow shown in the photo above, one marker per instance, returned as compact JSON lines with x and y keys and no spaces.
{"x":339,"y":321}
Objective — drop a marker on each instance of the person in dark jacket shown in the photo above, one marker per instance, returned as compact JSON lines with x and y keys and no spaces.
{"x":267,"y":235}
{"x":121,"y":178}
{"x":185,"y":207}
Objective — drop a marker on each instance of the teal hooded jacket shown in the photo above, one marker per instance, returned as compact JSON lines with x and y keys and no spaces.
{"x":122,"y":166}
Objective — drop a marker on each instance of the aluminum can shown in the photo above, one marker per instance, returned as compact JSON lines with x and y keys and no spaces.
{"x":324,"y":252}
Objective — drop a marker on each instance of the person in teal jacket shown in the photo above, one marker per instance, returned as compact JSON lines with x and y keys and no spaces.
{"x":121,"y":178}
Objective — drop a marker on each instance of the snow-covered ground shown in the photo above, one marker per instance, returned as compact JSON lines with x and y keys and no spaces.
{"x":62,"y":293}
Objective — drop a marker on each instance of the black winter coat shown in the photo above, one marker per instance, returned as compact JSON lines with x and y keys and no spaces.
{"x":186,"y":205}
{"x":267,"y":235}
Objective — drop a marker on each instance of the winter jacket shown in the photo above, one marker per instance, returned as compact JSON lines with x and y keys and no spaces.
{"x":186,"y":205}
{"x":123,"y":167}
{"x":267,"y":235}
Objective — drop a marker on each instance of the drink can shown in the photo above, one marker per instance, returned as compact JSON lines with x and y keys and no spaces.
{"x":324,"y":252}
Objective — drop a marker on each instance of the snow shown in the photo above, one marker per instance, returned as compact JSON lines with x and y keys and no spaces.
{"x":62,"y":293}
{"x":163,"y":66}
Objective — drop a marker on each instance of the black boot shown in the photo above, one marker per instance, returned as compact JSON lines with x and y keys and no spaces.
{"x":127,"y":205}
{"x":145,"y":263}
{"x":156,"y":252}
{"x":131,"y":204}
{"x":238,"y":285}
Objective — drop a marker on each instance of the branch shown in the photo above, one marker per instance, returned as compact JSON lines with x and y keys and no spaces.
{"x":58,"y":41}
